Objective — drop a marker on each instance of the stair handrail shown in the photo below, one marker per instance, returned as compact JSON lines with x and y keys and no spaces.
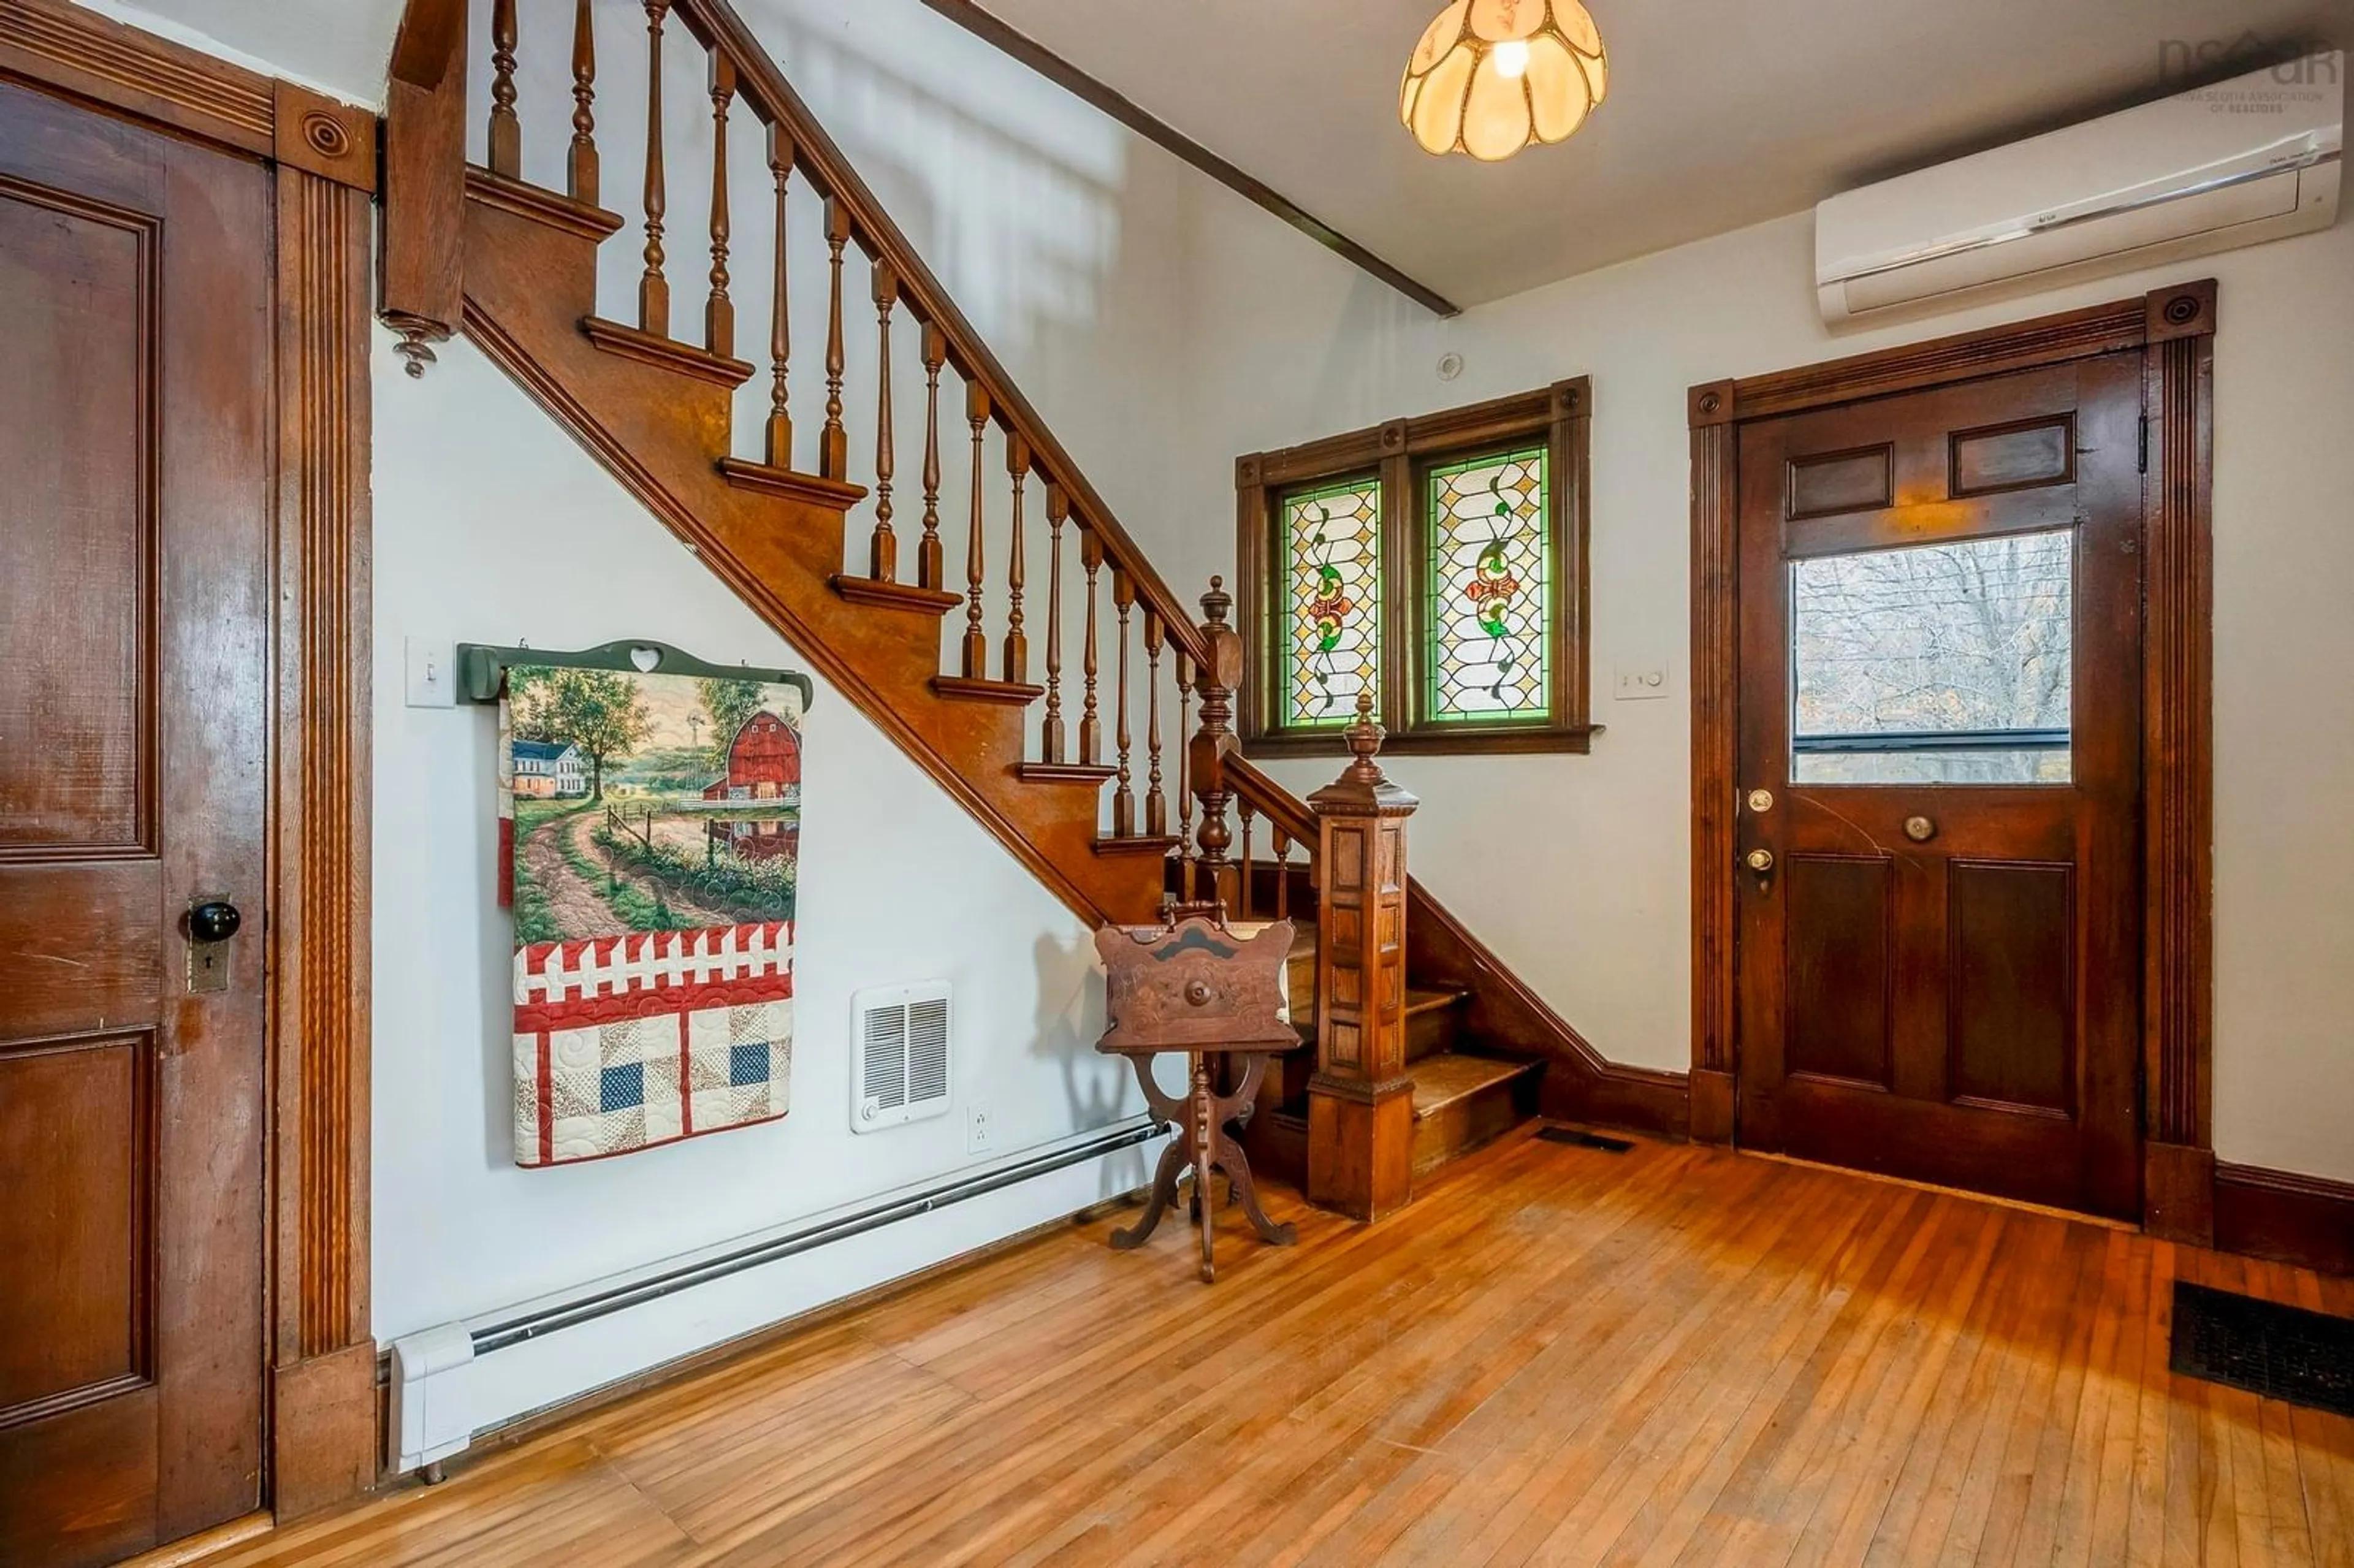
{"x":760,"y":81}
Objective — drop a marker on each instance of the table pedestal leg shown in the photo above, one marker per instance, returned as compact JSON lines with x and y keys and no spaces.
{"x":1164,"y":1192}
{"x":1204,"y":1147}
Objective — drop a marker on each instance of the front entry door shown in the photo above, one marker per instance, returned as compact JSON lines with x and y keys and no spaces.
{"x":1938,"y":918}
{"x":134,"y":667}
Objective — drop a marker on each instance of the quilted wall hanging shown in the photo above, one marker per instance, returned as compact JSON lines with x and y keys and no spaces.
{"x":649,"y":842}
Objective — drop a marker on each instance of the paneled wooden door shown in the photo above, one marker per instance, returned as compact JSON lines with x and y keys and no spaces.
{"x":134,"y":667}
{"x":1937,"y":936}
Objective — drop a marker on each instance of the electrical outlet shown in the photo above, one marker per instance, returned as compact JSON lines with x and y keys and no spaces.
{"x":976,"y":1130}
{"x":1641,"y":680}
{"x":432,"y":680}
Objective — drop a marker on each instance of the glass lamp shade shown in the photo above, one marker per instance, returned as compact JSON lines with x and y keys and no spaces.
{"x":1492,"y":76}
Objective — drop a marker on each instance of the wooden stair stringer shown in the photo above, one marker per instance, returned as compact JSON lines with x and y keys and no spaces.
{"x":661,"y":434}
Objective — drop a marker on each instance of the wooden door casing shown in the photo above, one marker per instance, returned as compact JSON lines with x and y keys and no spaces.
{"x":2172,"y":331}
{"x":1965,"y":1009}
{"x":136,"y":625}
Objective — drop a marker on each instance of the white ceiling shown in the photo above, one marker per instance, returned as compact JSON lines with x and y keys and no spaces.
{"x":1721,"y":112}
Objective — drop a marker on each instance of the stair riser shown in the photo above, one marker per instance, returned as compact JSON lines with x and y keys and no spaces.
{"x":1433,"y":1031}
{"x":1476,"y":1120}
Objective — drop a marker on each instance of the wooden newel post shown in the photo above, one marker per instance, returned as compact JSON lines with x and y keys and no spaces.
{"x":1214,"y":680}
{"x":1361,"y":1101}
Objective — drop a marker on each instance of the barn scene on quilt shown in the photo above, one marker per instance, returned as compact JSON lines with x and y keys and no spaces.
{"x":650,"y":834}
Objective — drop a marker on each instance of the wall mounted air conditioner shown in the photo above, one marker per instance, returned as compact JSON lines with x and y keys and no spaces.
{"x":2250,"y":159}
{"x":902,"y":1069}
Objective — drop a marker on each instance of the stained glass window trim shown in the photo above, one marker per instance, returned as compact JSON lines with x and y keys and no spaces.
{"x":1485,"y":533}
{"x":1328,"y":626}
{"x":1543,"y":706}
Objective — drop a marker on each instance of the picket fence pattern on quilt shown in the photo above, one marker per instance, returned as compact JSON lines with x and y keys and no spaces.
{"x":648,"y":836}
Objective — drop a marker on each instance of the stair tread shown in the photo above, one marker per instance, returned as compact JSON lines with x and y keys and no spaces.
{"x":1161,"y":844}
{"x":979,"y":689}
{"x":1440,"y":1081}
{"x":666,"y":353}
{"x":1421,"y":999}
{"x":816,"y":488}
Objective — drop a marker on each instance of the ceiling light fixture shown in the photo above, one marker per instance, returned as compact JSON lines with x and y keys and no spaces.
{"x":1492,"y":76}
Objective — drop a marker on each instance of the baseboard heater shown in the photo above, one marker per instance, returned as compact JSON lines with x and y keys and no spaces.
{"x":433,"y":1416}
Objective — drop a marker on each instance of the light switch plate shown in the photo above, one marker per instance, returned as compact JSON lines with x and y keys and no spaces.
{"x":432,"y":674}
{"x":1641,"y":680}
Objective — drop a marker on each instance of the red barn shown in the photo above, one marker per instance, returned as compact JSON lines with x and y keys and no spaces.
{"x":763,"y":759}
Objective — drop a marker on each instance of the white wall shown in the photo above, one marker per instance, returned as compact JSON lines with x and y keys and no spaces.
{"x":492,"y":526}
{"x":1575,"y":868}
{"x":1053,"y":234}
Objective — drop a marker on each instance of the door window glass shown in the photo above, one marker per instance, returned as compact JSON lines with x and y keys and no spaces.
{"x":1944,"y":663}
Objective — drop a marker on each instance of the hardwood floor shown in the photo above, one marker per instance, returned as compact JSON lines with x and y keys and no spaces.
{"x":1557,"y":1355}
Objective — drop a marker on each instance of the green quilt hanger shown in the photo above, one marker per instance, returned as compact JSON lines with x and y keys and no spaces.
{"x":482,"y":669}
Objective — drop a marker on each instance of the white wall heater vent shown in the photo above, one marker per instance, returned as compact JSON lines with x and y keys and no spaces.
{"x":902,"y":1073}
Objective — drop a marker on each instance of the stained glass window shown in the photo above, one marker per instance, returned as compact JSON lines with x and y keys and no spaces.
{"x":1331,"y":625}
{"x":1491,"y":582}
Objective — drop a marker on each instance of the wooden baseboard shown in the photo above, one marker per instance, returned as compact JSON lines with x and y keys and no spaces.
{"x":2284,"y":1216}
{"x":1637,"y":1099}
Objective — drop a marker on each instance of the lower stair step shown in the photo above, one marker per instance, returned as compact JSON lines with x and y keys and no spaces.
{"x":1461,"y":1102}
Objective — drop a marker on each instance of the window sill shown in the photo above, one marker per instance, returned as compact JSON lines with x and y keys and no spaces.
{"x":1576,"y":739}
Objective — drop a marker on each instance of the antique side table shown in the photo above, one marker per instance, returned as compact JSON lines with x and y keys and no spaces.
{"x":1196,"y":987}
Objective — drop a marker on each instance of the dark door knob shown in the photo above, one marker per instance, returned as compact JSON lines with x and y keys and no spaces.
{"x":215,"y":921}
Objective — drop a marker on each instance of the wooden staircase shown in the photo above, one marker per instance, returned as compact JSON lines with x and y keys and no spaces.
{"x":1466,"y":1091}
{"x":1050,"y":681}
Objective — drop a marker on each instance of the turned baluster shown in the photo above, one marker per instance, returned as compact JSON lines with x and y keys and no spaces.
{"x":1090,"y":727}
{"x":1058,"y":509}
{"x":720,"y":311}
{"x":781,"y":423}
{"x":1183,"y":666}
{"x":580,"y":169}
{"x":1215,"y":680}
{"x":929,"y":568}
{"x":885,"y":555}
{"x":1282,"y":851}
{"x":1123,"y":799}
{"x":1017,"y":641}
{"x":653,"y":289}
{"x":1244,"y":895}
{"x":1156,"y":804}
{"x":506,"y":131}
{"x":976,"y":558}
{"x":833,"y":445}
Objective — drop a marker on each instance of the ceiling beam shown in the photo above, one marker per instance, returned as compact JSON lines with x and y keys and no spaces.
{"x":1030,"y":52}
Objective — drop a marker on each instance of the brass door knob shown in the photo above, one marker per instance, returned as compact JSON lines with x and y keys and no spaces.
{"x":1920,"y":830}
{"x":1760,"y":861}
